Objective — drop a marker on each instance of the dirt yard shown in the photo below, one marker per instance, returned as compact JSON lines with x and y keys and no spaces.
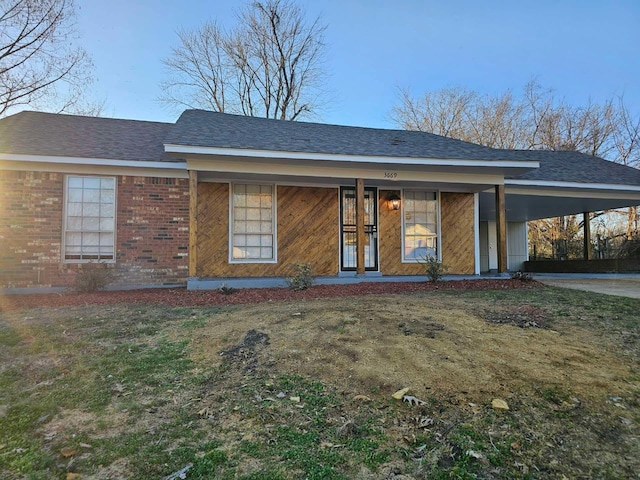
{"x":300,"y":383}
{"x":432,"y":345}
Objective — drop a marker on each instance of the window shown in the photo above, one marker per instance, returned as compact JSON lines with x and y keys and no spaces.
{"x":253,"y":223}
{"x":420,"y":225}
{"x":89,"y":224}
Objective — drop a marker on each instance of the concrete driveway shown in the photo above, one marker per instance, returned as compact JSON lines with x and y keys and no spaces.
{"x":620,"y":284}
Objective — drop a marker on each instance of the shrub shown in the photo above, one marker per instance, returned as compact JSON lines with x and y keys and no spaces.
{"x":92,"y":277}
{"x":522,"y":276}
{"x":225,"y":290}
{"x":302,"y":278}
{"x":434,"y":268}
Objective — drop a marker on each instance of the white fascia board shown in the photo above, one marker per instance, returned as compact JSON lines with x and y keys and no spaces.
{"x":576,"y":192}
{"x":93,"y":165}
{"x":235,"y":152}
{"x":93,"y":161}
{"x":571,"y":185}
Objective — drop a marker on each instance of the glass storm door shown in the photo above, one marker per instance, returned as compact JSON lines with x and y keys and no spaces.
{"x":348,"y":233}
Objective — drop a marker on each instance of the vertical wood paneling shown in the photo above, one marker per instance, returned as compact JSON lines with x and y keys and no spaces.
{"x":213,"y":219}
{"x":457,"y":231}
{"x":308,"y":229}
{"x":307,"y":224}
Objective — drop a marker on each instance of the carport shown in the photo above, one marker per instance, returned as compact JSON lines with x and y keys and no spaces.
{"x":567,"y":183}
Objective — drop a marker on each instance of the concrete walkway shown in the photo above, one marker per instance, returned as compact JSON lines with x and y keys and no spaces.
{"x":620,"y":284}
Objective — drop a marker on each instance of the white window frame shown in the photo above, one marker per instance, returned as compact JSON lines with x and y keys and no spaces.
{"x":66,"y":229}
{"x":438,"y":225}
{"x":274,"y":224}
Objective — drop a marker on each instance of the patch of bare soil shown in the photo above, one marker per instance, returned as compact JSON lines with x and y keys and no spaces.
{"x":431,"y":344}
{"x":523,"y":316}
{"x":181,"y":297}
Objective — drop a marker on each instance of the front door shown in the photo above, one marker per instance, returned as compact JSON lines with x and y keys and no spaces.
{"x":348,"y":232}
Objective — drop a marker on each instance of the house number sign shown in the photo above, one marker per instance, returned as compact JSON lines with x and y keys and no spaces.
{"x":391,"y":175}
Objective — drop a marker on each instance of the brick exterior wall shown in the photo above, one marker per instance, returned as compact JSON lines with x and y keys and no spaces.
{"x":152,"y":235}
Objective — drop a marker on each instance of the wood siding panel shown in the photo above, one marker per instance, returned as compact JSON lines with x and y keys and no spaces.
{"x":458,"y":241}
{"x":307,"y":232}
{"x":213,"y":229}
{"x":308,"y":228}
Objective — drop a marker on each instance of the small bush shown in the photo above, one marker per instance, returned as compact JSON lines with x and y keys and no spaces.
{"x":92,"y":277}
{"x":434,"y":268}
{"x":522,"y":276}
{"x":302,"y":278}
{"x":225,"y":290}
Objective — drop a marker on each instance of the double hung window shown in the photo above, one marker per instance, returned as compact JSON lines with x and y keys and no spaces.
{"x":420,"y":225}
{"x":89,"y":223}
{"x":253,"y":223}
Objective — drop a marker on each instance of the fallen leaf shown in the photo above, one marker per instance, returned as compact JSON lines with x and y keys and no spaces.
{"x":400,"y":393}
{"x":204,"y":412}
{"x":364,"y":398}
{"x":295,"y":399}
{"x":474,"y":454}
{"x":73,"y":476}
{"x":330,"y":445}
{"x":67,"y":452}
{"x":499,"y":404}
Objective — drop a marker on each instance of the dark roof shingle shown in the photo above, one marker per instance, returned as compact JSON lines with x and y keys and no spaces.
{"x":203,"y":128}
{"x":48,"y":134}
{"x":575,"y":167}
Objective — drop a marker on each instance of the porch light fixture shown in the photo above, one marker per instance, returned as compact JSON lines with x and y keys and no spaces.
{"x":393,"y":201}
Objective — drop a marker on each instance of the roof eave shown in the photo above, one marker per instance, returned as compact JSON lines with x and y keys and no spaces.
{"x":524,"y":183}
{"x":184,"y":150}
{"x":10,"y":157}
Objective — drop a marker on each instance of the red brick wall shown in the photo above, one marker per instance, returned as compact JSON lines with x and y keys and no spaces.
{"x":152,"y":238}
{"x":152,"y":234}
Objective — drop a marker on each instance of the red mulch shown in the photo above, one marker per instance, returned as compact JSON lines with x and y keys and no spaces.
{"x":181,"y":297}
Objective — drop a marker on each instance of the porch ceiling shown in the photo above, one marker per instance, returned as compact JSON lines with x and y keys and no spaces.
{"x":334,"y":182}
{"x":456,"y":178}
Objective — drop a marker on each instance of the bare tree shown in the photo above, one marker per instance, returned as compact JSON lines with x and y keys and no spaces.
{"x":269,"y":65}
{"x":534,"y":120}
{"x":38,"y":61}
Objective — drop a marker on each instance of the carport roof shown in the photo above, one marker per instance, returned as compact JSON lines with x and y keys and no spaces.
{"x":574,"y":167}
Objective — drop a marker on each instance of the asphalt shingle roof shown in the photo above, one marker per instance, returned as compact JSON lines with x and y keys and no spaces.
{"x":575,"y":167}
{"x":203,"y":128}
{"x":37,"y":133}
{"x":47,"y":134}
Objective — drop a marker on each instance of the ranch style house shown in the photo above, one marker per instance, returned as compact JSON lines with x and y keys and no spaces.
{"x":217,"y":199}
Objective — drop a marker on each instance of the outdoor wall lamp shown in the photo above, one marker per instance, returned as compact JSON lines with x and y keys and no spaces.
{"x":393,"y":200}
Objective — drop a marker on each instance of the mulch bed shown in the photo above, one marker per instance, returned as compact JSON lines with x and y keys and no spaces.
{"x":181,"y":297}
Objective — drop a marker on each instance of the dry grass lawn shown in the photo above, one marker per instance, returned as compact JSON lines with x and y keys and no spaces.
{"x":302,"y":388}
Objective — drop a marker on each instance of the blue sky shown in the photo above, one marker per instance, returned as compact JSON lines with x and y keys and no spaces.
{"x":582,"y":49}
